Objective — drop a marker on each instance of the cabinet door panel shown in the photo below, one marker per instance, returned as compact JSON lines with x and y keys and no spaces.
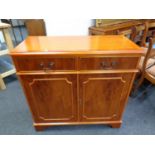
{"x":52,"y":97}
{"x":102,"y":96}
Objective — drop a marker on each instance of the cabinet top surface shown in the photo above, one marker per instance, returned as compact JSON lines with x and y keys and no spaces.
{"x":110,"y":44}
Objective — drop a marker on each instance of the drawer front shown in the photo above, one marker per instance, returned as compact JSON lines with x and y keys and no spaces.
{"x":108,"y":63}
{"x":43,"y":64}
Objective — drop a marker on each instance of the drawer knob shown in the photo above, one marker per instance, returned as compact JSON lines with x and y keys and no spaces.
{"x":108,"y":65}
{"x":46,"y":68}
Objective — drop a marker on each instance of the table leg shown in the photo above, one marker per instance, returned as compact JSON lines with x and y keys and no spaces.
{"x":2,"y":84}
{"x":8,"y":39}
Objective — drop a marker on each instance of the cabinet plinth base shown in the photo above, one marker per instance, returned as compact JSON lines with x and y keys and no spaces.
{"x":42,"y":126}
{"x":39,"y":128}
{"x":117,"y":125}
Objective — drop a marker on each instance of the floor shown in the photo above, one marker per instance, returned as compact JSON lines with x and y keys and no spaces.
{"x":15,"y":118}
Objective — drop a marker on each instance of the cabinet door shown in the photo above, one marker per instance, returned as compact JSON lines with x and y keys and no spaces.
{"x":52,"y":98}
{"x":102,"y":97}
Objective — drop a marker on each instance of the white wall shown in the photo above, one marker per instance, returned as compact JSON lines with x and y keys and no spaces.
{"x":67,"y":26}
{"x":62,"y":27}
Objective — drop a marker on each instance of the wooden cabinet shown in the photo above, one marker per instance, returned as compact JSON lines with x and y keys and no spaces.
{"x":76,"y":80}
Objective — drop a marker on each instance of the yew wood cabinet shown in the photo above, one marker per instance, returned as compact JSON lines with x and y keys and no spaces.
{"x":76,"y":80}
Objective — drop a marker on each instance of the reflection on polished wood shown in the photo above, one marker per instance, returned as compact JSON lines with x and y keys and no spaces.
{"x":77,"y":80}
{"x":78,"y":45}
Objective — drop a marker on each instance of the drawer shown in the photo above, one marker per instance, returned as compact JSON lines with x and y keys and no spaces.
{"x":34,"y":63}
{"x":106,"y":63}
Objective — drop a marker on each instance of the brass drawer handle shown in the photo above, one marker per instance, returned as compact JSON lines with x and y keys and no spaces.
{"x":107,"y":65}
{"x":114,"y":63}
{"x":41,"y":65}
{"x":49,"y":67}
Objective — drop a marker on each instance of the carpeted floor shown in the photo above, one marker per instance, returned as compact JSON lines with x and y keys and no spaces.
{"x":15,"y":118}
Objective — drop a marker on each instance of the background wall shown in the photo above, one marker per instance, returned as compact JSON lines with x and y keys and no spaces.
{"x":59,"y":27}
{"x":68,"y":26}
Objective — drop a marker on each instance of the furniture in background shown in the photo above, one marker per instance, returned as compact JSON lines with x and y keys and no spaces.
{"x":151,"y":31}
{"x":103,"y":22}
{"x":5,"y":30}
{"x":35,"y":27}
{"x":16,"y":24}
{"x":110,"y":27}
{"x":141,"y":34}
{"x":129,"y":33}
{"x":77,"y":80}
{"x":147,"y":66}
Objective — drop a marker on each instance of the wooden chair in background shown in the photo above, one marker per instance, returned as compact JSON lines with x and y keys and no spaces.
{"x":151,"y":30}
{"x":137,"y":34}
{"x":147,"y":66}
{"x":129,"y":33}
{"x":140,"y":34}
